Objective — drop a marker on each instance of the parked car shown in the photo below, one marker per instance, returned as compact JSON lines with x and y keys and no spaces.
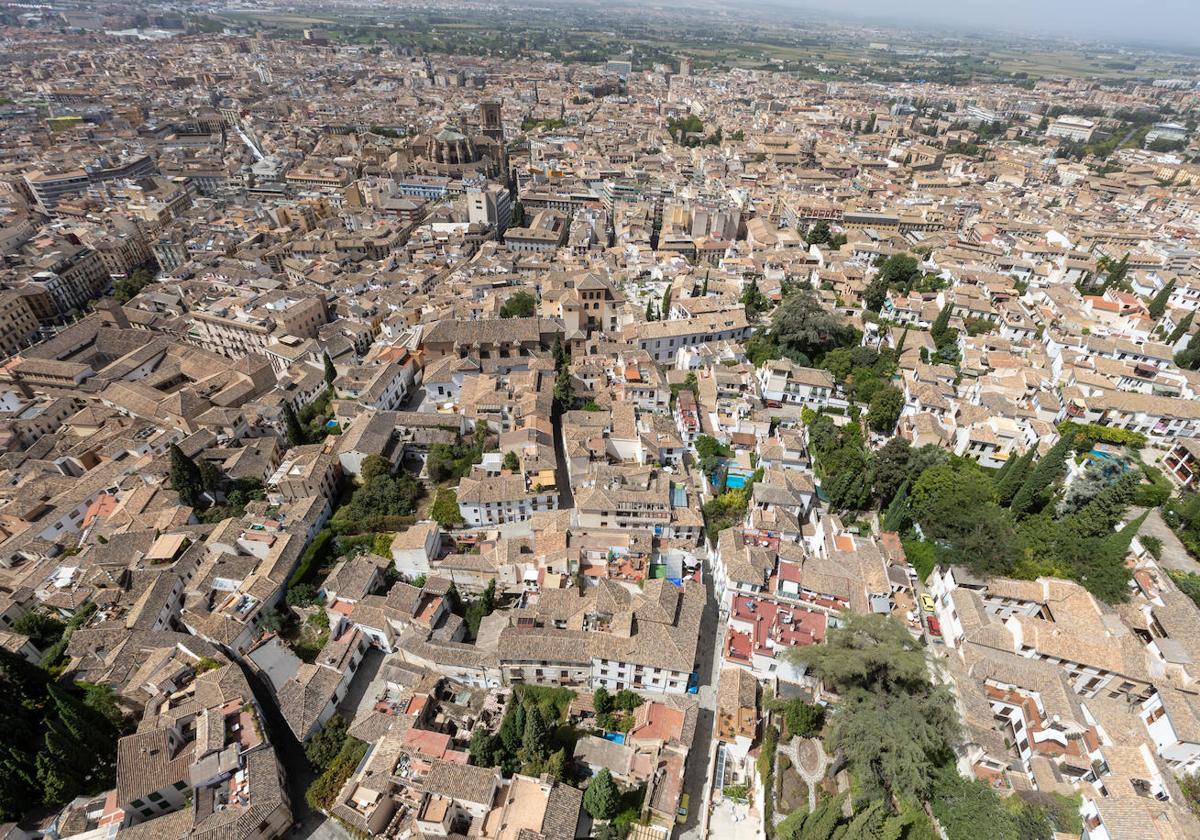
{"x":927,"y":602}
{"x":935,"y":629}
{"x":681,"y":813}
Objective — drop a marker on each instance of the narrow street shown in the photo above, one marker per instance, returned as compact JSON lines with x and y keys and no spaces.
{"x":696,"y":782}
{"x":297,"y":772}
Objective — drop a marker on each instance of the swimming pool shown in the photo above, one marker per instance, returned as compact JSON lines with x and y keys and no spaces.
{"x":735,"y":481}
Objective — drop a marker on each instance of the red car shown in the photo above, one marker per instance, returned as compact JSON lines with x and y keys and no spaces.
{"x":935,"y":629}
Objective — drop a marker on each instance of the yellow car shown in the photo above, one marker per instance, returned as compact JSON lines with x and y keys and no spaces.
{"x":681,"y":813}
{"x":927,"y":602}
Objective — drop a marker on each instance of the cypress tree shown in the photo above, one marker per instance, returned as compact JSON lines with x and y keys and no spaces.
{"x":940,"y":325}
{"x":1013,"y":475}
{"x":666,"y":302}
{"x":330,"y":370}
{"x":704,"y":288}
{"x":535,"y":737}
{"x":1004,"y":468}
{"x":895,"y":518}
{"x":78,"y":750}
{"x":650,"y":309}
{"x":295,"y":432}
{"x":559,"y":352}
{"x":1119,"y":542}
{"x":185,"y":476}
{"x":1181,"y":329}
{"x":564,"y":389}
{"x":512,"y":729}
{"x":1042,"y":476}
{"x":1158,"y":303}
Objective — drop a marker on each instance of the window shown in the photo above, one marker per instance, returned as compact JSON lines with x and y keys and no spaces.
{"x":156,"y":797}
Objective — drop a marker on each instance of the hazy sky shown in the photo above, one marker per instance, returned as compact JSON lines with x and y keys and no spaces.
{"x":1165,"y":21}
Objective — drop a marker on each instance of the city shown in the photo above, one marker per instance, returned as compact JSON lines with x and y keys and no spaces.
{"x":540,"y":422}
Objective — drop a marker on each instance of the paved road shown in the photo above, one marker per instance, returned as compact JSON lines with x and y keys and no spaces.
{"x":566,"y":499}
{"x":1174,"y":555}
{"x":695,"y":777}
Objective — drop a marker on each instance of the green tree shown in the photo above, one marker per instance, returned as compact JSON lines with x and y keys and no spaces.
{"x":519,"y":305}
{"x":602,"y":701}
{"x":330,"y":370}
{"x":324,"y":746}
{"x":896,"y":517}
{"x":1181,"y":329}
{"x":804,"y":330}
{"x":941,"y":324}
{"x":955,"y":507}
{"x":875,"y":295}
{"x":375,"y":466}
{"x":564,"y":389}
{"x":892,"y":724}
{"x":885,"y":409}
{"x":511,"y":462}
{"x":23,"y":687}
{"x":900,"y":272}
{"x":650,"y":310}
{"x":480,"y":608}
{"x":559,"y":353}
{"x":1116,"y":273}
{"x":1016,"y":470}
{"x":1189,"y":357}
{"x":130,"y":287}
{"x":601,"y":799}
{"x":482,"y":748}
{"x":710,"y":453}
{"x":42,"y":628}
{"x":102,"y":700}
{"x":556,"y":765}
{"x":535,"y":737}
{"x":627,"y":700}
{"x":1045,"y":472}
{"x":818,"y":234}
{"x":291,"y":424}
{"x":377,"y":501}
{"x":185,"y":476}
{"x":890,"y":468}
{"x":1158,"y":303}
{"x":753,"y":300}
{"x":302,"y":595}
{"x":803,"y":719}
{"x":512,"y":728}
{"x":665,"y":307}
{"x":78,"y":750}
{"x":270,"y":620}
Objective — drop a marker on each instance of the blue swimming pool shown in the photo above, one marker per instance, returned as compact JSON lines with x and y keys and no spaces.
{"x":735,"y":481}
{"x":615,"y":737}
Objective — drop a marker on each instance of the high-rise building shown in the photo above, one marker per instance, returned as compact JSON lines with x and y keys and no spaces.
{"x":490,"y":205}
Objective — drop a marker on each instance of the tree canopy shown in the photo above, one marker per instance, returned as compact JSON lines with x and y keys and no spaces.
{"x":892,"y":725}
{"x":805,"y":330}
{"x":519,"y":305}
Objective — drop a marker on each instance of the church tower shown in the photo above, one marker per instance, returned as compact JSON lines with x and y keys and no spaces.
{"x":489,"y":120}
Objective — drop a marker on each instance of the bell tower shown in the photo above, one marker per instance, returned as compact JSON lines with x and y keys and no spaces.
{"x":489,"y":120}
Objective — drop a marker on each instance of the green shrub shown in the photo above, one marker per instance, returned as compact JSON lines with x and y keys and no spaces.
{"x":1086,"y":433}
{"x":324,"y":789}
